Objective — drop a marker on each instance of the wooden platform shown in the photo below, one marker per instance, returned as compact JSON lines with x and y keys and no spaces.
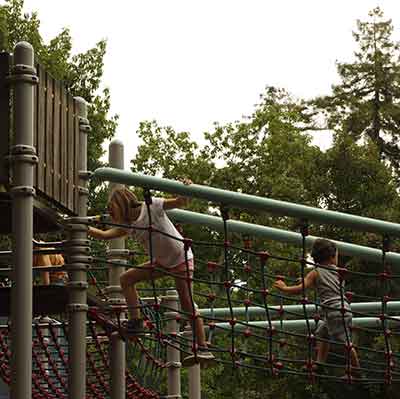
{"x":44,"y":218}
{"x":47,"y":300}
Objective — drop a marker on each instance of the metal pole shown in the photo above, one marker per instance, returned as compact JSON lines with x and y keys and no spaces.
{"x":77,"y":263}
{"x":297,"y":310}
{"x":118,"y":365}
{"x":250,"y":201}
{"x":24,"y":159}
{"x":194,"y":381}
{"x":194,"y":372}
{"x":300,"y":325}
{"x":117,"y":347}
{"x":367,"y":253}
{"x":170,"y":301}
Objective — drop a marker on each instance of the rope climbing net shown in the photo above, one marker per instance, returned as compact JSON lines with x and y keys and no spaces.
{"x":50,"y":361}
{"x":250,"y":325}
{"x":261,"y":329}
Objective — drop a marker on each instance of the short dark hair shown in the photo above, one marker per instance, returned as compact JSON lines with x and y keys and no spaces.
{"x":323,"y":250}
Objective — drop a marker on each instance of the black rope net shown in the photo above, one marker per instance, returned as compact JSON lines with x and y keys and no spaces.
{"x":50,"y":362}
{"x":262,"y":329}
{"x":259,"y":329}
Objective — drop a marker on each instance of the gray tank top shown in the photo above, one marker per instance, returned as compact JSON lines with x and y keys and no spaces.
{"x":329,"y":288}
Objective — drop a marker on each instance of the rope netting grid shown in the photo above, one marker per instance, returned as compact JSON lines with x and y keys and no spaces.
{"x":276,"y":338}
{"x":50,"y":361}
{"x":234,"y":278}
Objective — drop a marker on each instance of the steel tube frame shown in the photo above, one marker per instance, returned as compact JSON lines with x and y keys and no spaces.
{"x":117,"y":346}
{"x":23,"y":157}
{"x":250,"y":201}
{"x":301,"y":325}
{"x":194,"y":371}
{"x":170,"y":301}
{"x":362,"y":252}
{"x":194,"y":375}
{"x":255,"y":311}
{"x":77,"y":263}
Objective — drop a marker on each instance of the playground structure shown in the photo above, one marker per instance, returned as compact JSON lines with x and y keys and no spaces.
{"x":84,"y":356}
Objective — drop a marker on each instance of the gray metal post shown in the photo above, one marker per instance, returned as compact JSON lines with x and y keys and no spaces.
{"x":77,"y":261}
{"x":118,"y":366}
{"x":24,"y":159}
{"x":170,"y":301}
{"x":194,"y":382}
{"x":117,"y":347}
{"x":194,"y":374}
{"x":116,"y":160}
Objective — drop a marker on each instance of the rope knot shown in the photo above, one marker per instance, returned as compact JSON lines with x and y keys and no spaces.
{"x":264,"y":255}
{"x":187,"y":242}
{"x":247,"y":333}
{"x":212,"y":266}
{"x":247,"y":268}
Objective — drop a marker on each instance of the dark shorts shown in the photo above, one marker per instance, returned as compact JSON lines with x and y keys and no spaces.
{"x":335,"y":326}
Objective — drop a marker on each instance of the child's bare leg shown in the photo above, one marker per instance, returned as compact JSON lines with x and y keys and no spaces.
{"x":322,"y":351}
{"x":128,"y":281}
{"x":184,"y":291}
{"x":354,"y":359}
{"x":132,"y":299}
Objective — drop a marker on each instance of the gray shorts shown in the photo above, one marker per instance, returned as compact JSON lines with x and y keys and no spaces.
{"x":335,"y":326}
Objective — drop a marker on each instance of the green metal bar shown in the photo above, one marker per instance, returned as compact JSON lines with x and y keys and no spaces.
{"x":249,"y":201}
{"x":301,"y":326}
{"x":370,"y":254}
{"x":254,"y":311}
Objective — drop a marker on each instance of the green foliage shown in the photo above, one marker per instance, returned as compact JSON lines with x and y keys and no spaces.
{"x":80,"y":73}
{"x":270,"y":154}
{"x":366,"y":102}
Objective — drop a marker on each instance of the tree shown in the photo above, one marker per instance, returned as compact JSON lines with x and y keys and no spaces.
{"x":366,"y":104}
{"x":267,"y":154}
{"x":80,"y":73}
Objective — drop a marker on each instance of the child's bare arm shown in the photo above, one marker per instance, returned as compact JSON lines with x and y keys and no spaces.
{"x":46,"y":278}
{"x":172,"y":203}
{"x":178,"y":202}
{"x":109,"y":234}
{"x":42,"y":260}
{"x":309,"y":282}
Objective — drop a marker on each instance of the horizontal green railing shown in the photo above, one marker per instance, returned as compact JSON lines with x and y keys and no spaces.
{"x":295,"y":310}
{"x":367,"y":253}
{"x":249,"y":201}
{"x":301,"y":325}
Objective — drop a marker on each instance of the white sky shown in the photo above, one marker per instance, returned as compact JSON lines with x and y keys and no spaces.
{"x":189,"y":63}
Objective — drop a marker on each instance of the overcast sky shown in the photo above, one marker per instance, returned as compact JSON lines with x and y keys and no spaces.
{"x":189,"y":63}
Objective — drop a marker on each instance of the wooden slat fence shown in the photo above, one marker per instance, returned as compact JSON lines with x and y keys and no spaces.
{"x":56,"y":138}
{"x":4,"y":117}
{"x":57,"y":142}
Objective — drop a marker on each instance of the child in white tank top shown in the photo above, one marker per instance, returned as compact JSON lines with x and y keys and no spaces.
{"x":166,"y":250}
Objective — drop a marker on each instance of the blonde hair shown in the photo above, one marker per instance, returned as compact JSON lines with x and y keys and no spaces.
{"x":125,"y":200}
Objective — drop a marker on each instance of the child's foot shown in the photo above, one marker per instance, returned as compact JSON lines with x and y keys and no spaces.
{"x":133,"y":327}
{"x":205,"y":358}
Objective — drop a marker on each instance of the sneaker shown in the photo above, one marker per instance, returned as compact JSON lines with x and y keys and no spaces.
{"x":206,"y":360}
{"x":133,"y":327}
